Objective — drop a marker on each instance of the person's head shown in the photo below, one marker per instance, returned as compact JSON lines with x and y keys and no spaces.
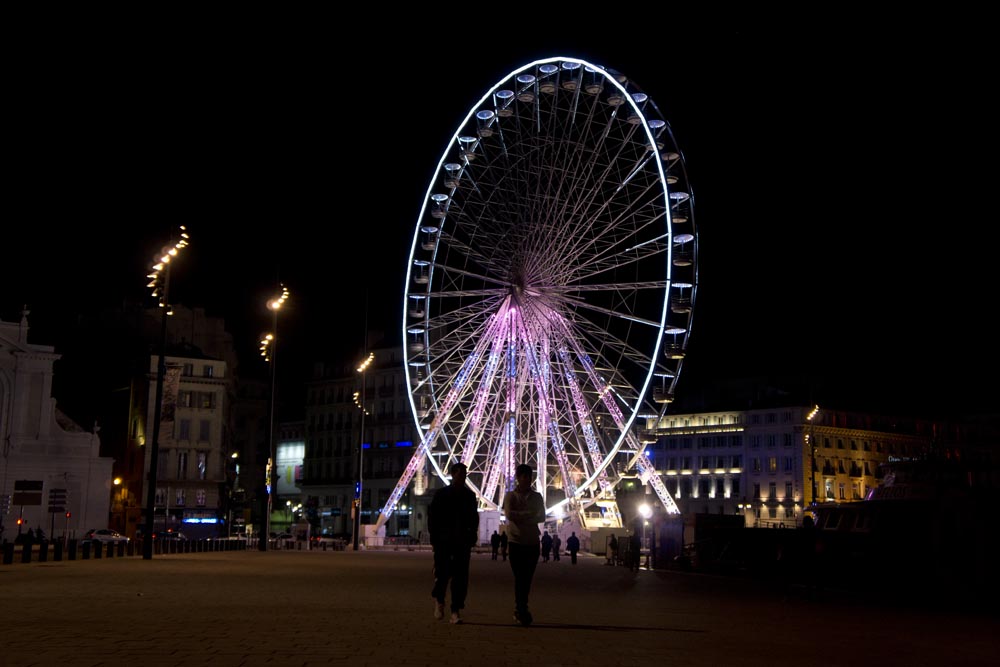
{"x":523,"y":474}
{"x":458,"y":472}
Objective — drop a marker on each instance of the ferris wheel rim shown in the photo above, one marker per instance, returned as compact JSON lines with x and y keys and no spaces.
{"x":632,"y":415}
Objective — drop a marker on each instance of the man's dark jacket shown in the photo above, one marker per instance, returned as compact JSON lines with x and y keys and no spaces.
{"x":453,"y":519}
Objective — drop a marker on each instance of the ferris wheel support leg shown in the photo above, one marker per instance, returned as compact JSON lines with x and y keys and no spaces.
{"x":647,"y":473}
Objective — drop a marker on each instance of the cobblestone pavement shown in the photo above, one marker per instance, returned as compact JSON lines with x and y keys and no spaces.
{"x":374,"y":608}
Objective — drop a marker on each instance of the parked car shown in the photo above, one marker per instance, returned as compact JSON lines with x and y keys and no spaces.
{"x":169,"y":535}
{"x":104,"y":535}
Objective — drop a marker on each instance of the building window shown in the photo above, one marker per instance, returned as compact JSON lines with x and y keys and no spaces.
{"x":184,"y":399}
{"x":188,"y":370}
{"x":179,"y":497}
{"x":772,"y":491}
{"x":184,"y":429}
{"x":787,"y":439}
{"x":772,"y":464}
{"x":737,"y":461}
{"x":755,"y":464}
{"x":840,"y":488}
{"x":789,"y":494}
{"x":182,"y":462}
{"x":828,"y":484}
{"x":772,"y":440}
{"x":200,"y":497}
{"x":772,"y":512}
{"x":202,"y":464}
{"x":161,"y":497}
{"x":756,"y":491}
{"x":734,"y":487}
{"x":204,"y":430}
{"x":208,"y":371}
{"x":206,"y":400}
{"x":720,"y":488}
{"x":789,"y":464}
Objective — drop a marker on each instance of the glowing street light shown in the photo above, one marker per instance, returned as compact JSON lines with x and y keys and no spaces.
{"x":269,"y":350}
{"x":361,"y":445}
{"x":159,"y":283}
{"x":811,"y":441}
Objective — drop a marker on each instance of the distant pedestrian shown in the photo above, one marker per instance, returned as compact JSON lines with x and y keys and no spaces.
{"x":556,"y":544}
{"x":524,"y":509}
{"x":495,"y":544}
{"x":503,"y":544}
{"x":612,"y":550}
{"x":634,"y":550}
{"x":546,"y":546}
{"x":572,"y":546}
{"x":453,"y":522}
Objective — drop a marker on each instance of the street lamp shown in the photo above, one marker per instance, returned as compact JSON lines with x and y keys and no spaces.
{"x":269,"y":350}
{"x":160,"y":284}
{"x":811,"y":441}
{"x":361,"y":445}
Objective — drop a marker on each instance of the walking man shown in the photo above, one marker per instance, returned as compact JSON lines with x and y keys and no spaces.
{"x":453,"y":522}
{"x":495,"y":544}
{"x":524,"y":509}
{"x":572,"y":545}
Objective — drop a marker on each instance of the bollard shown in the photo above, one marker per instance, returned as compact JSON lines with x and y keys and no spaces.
{"x":43,"y":551}
{"x":85,"y":550}
{"x":26,"y":553}
{"x":111,"y":549}
{"x":8,"y":553}
{"x":98,"y":549}
{"x":71,"y":549}
{"x":57,"y":551}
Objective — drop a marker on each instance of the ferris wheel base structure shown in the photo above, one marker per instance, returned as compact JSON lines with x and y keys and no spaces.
{"x":549,"y":291}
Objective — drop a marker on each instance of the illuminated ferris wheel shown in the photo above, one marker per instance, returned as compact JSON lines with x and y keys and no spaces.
{"x":550,"y":287}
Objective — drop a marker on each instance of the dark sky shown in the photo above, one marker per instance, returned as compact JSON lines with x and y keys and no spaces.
{"x":835,"y":178}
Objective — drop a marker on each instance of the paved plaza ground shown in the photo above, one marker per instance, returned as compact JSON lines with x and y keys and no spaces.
{"x":374,"y":608}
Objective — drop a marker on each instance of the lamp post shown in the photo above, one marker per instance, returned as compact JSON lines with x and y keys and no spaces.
{"x":160,"y":284}
{"x":361,"y":446}
{"x":810,"y":438}
{"x":269,"y":350}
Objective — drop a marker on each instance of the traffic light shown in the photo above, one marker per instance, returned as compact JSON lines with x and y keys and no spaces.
{"x":69,"y":514}
{"x":20,"y":522}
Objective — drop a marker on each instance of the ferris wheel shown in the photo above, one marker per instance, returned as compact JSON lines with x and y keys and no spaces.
{"x":550,"y":287}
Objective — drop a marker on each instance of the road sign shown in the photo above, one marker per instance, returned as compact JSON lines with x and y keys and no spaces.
{"x":57,"y":500}
{"x":26,"y":498}
{"x":27,"y":492}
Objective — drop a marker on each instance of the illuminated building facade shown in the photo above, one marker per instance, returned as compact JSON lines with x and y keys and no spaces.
{"x":333,"y":434}
{"x":762,"y":463}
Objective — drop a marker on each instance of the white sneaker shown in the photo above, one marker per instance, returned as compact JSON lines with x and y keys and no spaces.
{"x":438,"y":610}
{"x":456,"y":618}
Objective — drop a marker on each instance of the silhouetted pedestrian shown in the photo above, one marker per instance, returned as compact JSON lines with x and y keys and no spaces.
{"x":634,"y":550}
{"x":572,"y":546}
{"x":495,"y":544}
{"x":546,"y":546}
{"x":453,"y":522}
{"x":556,"y":544}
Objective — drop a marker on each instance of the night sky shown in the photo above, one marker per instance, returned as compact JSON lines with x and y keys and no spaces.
{"x":836,"y":183}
